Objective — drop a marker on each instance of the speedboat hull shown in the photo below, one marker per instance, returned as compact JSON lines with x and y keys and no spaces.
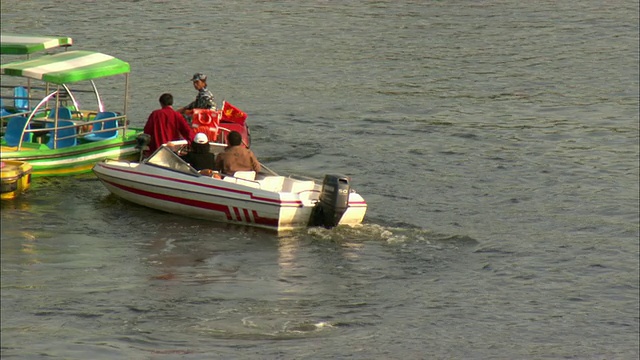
{"x":268,"y":201}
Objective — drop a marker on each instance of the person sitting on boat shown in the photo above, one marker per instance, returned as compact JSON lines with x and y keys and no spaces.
{"x":236,"y":157}
{"x":166,"y":125}
{"x":204,"y":99}
{"x":200,"y":155}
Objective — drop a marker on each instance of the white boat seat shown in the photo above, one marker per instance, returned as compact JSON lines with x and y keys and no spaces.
{"x":241,"y":181}
{"x":297,"y":186}
{"x":272,"y":183}
{"x":246,"y":175}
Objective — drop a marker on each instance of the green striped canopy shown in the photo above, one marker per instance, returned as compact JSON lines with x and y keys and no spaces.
{"x":67,"y":67}
{"x":11,"y":44}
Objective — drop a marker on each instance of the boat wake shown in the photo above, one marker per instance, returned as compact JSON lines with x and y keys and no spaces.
{"x":389,"y":235}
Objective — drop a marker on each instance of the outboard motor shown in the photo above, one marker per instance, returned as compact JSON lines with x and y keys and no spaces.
{"x":333,"y":202}
{"x":142,"y":144}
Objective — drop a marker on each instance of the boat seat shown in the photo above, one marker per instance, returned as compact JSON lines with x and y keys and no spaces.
{"x":272,"y":183}
{"x":246,"y":175}
{"x":68,"y":132}
{"x":297,"y":186}
{"x":63,"y":113}
{"x":15,"y":128}
{"x":21,"y":99}
{"x":241,"y":181}
{"x":94,"y":135}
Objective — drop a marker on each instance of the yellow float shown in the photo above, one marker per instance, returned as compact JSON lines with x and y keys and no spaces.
{"x":16,"y":178}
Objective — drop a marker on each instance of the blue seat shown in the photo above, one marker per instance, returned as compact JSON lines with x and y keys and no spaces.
{"x":15,"y":129}
{"x":94,"y":135}
{"x":63,"y":113}
{"x":62,"y":143}
{"x":21,"y":99}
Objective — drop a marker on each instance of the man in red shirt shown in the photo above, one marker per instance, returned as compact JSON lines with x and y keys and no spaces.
{"x":166,"y":124}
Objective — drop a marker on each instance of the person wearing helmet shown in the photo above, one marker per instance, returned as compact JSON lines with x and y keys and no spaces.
{"x":200,"y":156}
{"x":204,"y":99}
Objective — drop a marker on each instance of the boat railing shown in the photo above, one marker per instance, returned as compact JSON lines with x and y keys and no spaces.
{"x":54,"y":132}
{"x":41,"y":88}
{"x":40,"y":129}
{"x":98,"y":125}
{"x":83,"y":122}
{"x":14,"y":97}
{"x":6,"y":118}
{"x":64,"y":95}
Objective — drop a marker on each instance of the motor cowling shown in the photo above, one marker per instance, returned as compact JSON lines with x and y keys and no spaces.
{"x":333,"y":201}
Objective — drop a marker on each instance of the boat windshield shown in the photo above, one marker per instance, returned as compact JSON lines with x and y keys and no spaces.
{"x":166,"y":158}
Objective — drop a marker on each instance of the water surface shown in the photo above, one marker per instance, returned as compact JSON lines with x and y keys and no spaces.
{"x":495,"y":142}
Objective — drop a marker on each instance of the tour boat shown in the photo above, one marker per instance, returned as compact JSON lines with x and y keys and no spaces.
{"x":59,"y":136}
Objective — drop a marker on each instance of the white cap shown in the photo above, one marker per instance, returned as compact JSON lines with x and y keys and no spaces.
{"x":200,"y":138}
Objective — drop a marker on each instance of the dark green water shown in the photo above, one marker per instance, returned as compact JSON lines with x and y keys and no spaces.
{"x":496,"y":144}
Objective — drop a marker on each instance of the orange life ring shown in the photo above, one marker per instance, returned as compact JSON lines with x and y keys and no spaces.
{"x":204,"y":117}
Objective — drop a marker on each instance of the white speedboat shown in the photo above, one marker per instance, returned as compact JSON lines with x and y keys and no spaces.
{"x":164,"y":181}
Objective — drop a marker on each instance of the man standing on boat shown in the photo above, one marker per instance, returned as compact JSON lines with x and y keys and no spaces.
{"x":166,"y":125}
{"x":204,"y":99}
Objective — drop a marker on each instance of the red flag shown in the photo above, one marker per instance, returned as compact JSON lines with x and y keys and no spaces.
{"x":233,"y":114}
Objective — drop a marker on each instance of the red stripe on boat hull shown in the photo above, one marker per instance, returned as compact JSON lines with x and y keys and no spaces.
{"x":269,"y":222}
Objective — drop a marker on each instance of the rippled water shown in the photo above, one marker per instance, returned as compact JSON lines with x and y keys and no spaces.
{"x":496,"y":143}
